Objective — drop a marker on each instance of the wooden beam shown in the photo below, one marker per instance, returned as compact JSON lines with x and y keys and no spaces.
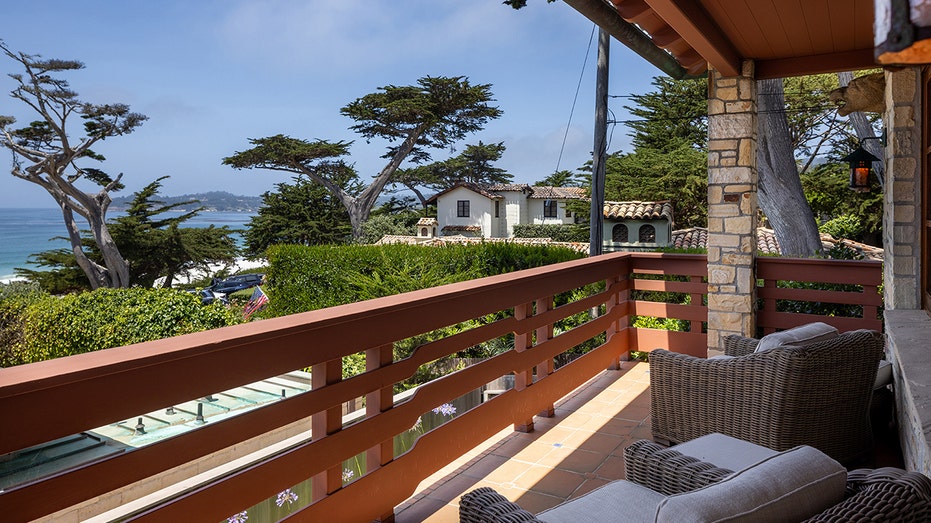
{"x":699,"y":30}
{"x":815,"y":64}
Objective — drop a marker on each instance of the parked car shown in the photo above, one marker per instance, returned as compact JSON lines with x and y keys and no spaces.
{"x":237,"y":283}
{"x":208,"y":296}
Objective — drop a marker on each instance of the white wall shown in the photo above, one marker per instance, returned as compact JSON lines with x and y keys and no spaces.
{"x":481,"y":210}
{"x":535,"y":213}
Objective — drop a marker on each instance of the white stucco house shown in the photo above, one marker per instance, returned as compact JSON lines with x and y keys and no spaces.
{"x":492,"y":211}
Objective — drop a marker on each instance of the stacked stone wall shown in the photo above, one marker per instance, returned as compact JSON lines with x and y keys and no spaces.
{"x":732,"y":205}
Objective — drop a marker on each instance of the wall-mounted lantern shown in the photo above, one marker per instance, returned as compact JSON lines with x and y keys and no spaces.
{"x":861,"y":164}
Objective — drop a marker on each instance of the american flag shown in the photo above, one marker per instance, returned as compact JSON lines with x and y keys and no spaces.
{"x":256,"y":302}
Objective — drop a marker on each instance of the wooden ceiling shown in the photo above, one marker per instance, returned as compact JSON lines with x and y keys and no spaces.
{"x":783,"y":37}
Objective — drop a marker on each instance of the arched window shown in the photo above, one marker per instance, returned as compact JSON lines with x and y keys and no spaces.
{"x":647,"y":234}
{"x":423,"y":231}
{"x":619,"y":233}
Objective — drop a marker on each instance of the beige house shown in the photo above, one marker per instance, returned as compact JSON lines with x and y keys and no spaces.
{"x":492,"y":211}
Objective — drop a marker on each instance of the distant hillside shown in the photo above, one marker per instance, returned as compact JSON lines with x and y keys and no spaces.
{"x":212,"y":201}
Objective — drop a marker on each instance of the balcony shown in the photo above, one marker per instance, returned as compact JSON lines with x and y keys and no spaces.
{"x":226,"y":465}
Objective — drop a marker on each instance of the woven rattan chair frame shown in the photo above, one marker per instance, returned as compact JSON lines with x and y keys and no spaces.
{"x":887,"y":494}
{"x":818,"y":395}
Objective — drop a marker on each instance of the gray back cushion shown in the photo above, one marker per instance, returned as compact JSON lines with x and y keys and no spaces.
{"x":801,"y":335}
{"x":790,"y":486}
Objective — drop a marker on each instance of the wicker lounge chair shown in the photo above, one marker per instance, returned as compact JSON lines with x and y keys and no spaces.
{"x":887,"y":494}
{"x":816,"y":394}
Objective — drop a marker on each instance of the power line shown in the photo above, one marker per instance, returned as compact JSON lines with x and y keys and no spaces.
{"x":578,"y":87}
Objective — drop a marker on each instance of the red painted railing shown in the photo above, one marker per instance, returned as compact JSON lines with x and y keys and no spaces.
{"x":48,"y":400}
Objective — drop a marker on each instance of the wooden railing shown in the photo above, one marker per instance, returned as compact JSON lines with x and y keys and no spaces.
{"x":850,"y":300}
{"x":48,"y":400}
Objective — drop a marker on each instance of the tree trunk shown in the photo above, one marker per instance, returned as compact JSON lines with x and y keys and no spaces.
{"x":96,"y":274}
{"x":780,"y":191}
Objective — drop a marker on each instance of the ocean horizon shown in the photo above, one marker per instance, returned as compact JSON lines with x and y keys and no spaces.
{"x":27,"y":231}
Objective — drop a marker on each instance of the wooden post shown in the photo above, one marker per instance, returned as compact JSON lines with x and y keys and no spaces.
{"x":325,"y":423}
{"x":545,"y":368}
{"x":523,"y":378}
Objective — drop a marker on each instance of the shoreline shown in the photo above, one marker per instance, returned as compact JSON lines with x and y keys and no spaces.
{"x":237,"y":266}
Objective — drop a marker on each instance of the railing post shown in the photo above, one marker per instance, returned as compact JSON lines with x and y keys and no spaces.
{"x":695,"y":299}
{"x":523,"y":378}
{"x":325,"y":423}
{"x":377,"y":402}
{"x":613,"y":329}
{"x":545,"y":368}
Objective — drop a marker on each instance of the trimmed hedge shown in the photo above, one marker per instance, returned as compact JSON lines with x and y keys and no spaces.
{"x":40,"y":327}
{"x":557,"y":233}
{"x":307,"y":278}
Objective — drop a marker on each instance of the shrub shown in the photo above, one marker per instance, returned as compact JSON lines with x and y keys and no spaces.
{"x":51,"y":327}
{"x":557,"y":233}
{"x":305,"y":278}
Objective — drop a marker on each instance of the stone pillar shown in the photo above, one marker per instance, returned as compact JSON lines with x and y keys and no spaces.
{"x":732,"y":205}
{"x":902,"y":195}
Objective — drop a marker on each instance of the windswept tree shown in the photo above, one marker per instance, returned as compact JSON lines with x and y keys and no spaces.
{"x":44,"y":153}
{"x":153,"y":241}
{"x":434,"y":114}
{"x":475,"y":164}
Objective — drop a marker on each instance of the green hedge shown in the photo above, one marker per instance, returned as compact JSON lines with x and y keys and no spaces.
{"x":307,"y":278}
{"x":40,"y":327}
{"x":557,"y":233}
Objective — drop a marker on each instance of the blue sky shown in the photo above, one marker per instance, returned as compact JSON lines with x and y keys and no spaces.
{"x":210,"y":74}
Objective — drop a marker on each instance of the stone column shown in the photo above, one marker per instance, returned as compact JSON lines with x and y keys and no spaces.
{"x":732,"y":205}
{"x":902,"y":196}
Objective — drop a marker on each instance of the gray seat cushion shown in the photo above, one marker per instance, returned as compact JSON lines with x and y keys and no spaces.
{"x":614,"y":502}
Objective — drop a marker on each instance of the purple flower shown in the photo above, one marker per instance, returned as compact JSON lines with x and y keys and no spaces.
{"x":238,"y":518}
{"x":445,"y":409}
{"x":286,"y":496}
{"x":347,"y":475}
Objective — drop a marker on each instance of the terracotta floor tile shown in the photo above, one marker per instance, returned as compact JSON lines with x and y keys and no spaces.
{"x":555,"y":482}
{"x":611,"y":469}
{"x":573,"y":460}
{"x":485,"y":466}
{"x":533,"y":502}
{"x":595,"y":442}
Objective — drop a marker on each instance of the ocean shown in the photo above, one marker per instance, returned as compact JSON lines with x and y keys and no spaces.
{"x":29,"y":231}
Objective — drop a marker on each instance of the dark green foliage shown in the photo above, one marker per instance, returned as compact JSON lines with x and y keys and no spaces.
{"x":562,"y":179}
{"x":380,"y":225}
{"x":309,"y":278}
{"x":674,"y":114}
{"x":58,"y":272}
{"x":156,"y":246}
{"x":557,"y":233}
{"x":41,"y":327}
{"x":300,"y":213}
{"x":678,"y":175}
{"x":826,"y":188}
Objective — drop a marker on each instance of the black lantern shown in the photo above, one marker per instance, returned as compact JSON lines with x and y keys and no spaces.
{"x":861,"y":163}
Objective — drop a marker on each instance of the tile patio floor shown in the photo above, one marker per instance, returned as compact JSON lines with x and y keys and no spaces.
{"x":579,"y":449}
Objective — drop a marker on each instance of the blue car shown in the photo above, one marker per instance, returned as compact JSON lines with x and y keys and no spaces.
{"x":237,"y":283}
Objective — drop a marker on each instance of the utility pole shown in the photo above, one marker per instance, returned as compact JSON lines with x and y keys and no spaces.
{"x":596,"y":236}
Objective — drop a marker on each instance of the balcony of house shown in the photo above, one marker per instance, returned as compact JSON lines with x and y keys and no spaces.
{"x":265,"y":419}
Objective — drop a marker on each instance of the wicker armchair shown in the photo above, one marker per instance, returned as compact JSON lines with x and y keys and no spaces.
{"x":886,"y":494}
{"x":817,"y":394}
